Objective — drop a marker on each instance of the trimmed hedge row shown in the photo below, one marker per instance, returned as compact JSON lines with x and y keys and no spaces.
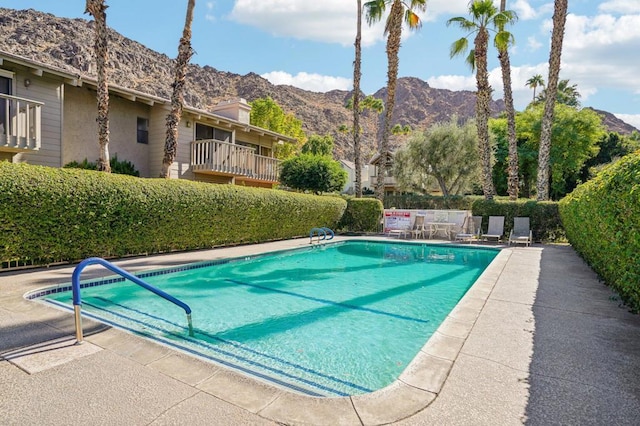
{"x":362,"y":215}
{"x":51,"y":215}
{"x":544,"y":216}
{"x":602,"y":220}
{"x":430,"y":202}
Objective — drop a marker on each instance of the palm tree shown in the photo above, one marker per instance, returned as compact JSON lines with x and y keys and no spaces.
{"x":565,"y":94}
{"x":544,"y":153}
{"x":503,"y":55}
{"x":97,"y":8}
{"x":356,"y":102}
{"x":534,"y":82}
{"x":484,"y":16}
{"x":177,"y":99}
{"x":399,"y":12}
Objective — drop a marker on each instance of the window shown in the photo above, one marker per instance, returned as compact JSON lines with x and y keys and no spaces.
{"x":143,"y":130}
{"x":204,"y":132}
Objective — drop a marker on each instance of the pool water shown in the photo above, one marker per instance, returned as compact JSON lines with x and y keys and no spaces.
{"x":333,"y":320}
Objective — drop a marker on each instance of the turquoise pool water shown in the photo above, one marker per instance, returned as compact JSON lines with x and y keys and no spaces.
{"x":332,"y":320}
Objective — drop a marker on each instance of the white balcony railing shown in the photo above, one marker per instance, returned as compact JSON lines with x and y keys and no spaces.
{"x":388,"y":180}
{"x":231,"y":159}
{"x":20,"y":125}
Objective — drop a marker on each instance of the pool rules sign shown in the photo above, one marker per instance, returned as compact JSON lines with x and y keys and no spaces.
{"x":396,"y":219}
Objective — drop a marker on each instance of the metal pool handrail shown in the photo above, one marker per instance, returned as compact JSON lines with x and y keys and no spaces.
{"x":77,"y":303}
{"x":322,"y":230}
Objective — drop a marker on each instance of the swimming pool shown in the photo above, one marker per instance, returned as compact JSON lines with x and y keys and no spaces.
{"x":332,"y":320}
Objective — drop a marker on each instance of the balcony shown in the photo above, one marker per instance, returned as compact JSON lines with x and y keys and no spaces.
{"x":223,"y":158}
{"x":20,"y":124}
{"x":388,"y":181}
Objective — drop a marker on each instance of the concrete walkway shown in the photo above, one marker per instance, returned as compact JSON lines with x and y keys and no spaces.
{"x":538,"y":340}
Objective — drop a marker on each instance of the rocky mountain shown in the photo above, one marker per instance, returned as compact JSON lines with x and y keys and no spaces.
{"x":67,"y":44}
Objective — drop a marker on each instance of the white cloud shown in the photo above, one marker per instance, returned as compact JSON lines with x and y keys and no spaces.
{"x":524,"y":10}
{"x":633,"y":119}
{"x":620,"y":6}
{"x":533,"y":43}
{"x":522,"y":94}
{"x":209,"y":16}
{"x":453,"y":82}
{"x":330,"y":21}
{"x":600,"y":51}
{"x":308,"y":81}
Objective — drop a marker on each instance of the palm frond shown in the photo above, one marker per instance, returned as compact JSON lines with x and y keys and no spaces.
{"x":412,"y":20}
{"x":459,"y":47}
{"x":471,"y":59}
{"x":374,"y":10}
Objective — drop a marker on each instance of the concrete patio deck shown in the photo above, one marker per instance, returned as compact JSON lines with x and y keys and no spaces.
{"x":537,"y":340}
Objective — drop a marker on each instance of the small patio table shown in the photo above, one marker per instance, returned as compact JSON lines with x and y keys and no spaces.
{"x":440,"y":227}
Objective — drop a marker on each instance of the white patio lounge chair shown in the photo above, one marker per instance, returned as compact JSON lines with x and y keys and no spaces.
{"x":471,"y":229}
{"x":521,"y":232}
{"x":496,"y":228}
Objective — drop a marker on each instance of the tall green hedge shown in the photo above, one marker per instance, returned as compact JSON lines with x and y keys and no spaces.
{"x":544,"y":217}
{"x":52,"y":215}
{"x":602,"y":220}
{"x":362,"y":215}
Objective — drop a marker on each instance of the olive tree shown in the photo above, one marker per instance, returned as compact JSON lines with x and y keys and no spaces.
{"x":444,"y":155}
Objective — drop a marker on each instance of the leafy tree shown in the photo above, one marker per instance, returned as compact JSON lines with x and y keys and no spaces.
{"x":319,"y":145}
{"x":445,"y":154}
{"x":484,"y":17}
{"x":527,"y":160}
{"x":177,"y":97}
{"x":309,"y":172}
{"x":266,"y":113}
{"x":544,"y":153}
{"x":533,"y":83}
{"x":575,"y":135}
{"x":613,"y":146}
{"x":97,"y":9}
{"x":399,"y":12}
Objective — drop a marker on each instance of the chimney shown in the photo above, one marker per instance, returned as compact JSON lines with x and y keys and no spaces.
{"x":236,"y":109}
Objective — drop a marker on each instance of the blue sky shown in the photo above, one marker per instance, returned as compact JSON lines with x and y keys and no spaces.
{"x":309,"y":44}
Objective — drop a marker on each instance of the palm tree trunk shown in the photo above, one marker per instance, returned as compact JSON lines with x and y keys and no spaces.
{"x":557,"y":35}
{"x":505,"y":64}
{"x":356,"y":103}
{"x":177,"y":98}
{"x":483,"y":98}
{"x":394,"y":25}
{"x":97,"y":8}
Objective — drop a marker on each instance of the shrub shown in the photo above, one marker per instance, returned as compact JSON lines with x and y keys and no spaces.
{"x":361,"y":215}
{"x":123,"y":167}
{"x":51,"y":215}
{"x":602,"y":220}
{"x":315,"y":173}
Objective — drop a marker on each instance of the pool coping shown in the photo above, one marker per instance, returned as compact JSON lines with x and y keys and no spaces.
{"x":415,"y":389}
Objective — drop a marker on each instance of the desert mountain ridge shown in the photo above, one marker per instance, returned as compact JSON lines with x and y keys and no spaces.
{"x":68,"y":44}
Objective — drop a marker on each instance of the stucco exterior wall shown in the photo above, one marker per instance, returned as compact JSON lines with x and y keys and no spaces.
{"x":80,"y":134}
{"x":50,"y":92}
{"x":181,"y":167}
